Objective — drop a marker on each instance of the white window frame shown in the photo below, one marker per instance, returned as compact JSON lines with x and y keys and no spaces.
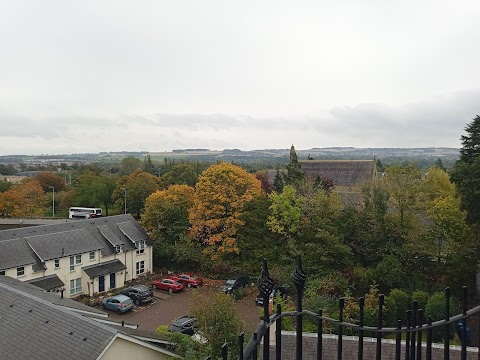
{"x":119,"y":248}
{"x":140,"y":267}
{"x":140,"y":245}
{"x":20,"y":271}
{"x":56,"y":263}
{"x":76,"y":286}
{"x":92,"y":255}
{"x":75,"y":260}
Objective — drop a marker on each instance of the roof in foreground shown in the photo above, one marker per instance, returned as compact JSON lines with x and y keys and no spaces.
{"x":36,"y":329}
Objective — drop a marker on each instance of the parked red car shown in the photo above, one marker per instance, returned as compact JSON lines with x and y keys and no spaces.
{"x":169,"y":285}
{"x":187,"y":279}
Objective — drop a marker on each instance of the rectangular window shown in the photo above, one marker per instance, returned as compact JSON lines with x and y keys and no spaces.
{"x":140,"y":245}
{"x":119,"y":248}
{"x":78,"y":259}
{"x":75,"y":286}
{"x":20,"y":271}
{"x":72,"y":263}
{"x":2,"y":272}
{"x":57,"y":263}
{"x":92,"y":255}
{"x":140,"y":267}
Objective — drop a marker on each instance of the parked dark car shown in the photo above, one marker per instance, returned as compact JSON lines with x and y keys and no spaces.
{"x":184,"y":324}
{"x":118,"y":303}
{"x":278,"y":291}
{"x":138,"y":293}
{"x":235,"y":282}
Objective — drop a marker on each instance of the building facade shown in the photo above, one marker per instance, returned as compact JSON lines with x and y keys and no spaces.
{"x":80,"y":257}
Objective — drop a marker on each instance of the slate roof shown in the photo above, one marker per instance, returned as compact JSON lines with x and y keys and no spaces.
{"x":132,"y":232}
{"x":15,"y":253}
{"x":35,"y":329}
{"x":110,"y":235}
{"x":48,"y":282}
{"x":51,"y":297}
{"x":61,"y":244}
{"x":103,"y":268}
{"x":348,"y":173}
{"x":74,"y":237}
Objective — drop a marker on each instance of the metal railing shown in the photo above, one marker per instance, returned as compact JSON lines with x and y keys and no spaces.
{"x":418,"y":330}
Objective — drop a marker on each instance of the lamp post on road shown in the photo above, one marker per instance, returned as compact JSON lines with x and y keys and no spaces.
{"x":53,"y":200}
{"x":125,"y":201}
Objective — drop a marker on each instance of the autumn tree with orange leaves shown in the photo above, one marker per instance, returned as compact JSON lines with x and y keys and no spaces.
{"x":26,"y":199}
{"x":220,"y":197}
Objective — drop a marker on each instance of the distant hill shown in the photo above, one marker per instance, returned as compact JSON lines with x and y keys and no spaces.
{"x":423,"y":157}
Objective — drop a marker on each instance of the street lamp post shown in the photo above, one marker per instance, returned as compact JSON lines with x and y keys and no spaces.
{"x":53,"y":200}
{"x":125,"y":201}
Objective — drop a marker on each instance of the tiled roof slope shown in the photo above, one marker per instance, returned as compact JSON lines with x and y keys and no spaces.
{"x":15,"y":253}
{"x":64,"y":243}
{"x":132,"y":232}
{"x":34,"y":329}
{"x":51,"y":297}
{"x":78,"y":235}
{"x":48,"y":282}
{"x":349,"y":173}
{"x":104,"y":268}
{"x":110,"y":236}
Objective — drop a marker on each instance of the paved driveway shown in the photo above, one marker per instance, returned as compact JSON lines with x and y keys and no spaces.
{"x":166,"y":307}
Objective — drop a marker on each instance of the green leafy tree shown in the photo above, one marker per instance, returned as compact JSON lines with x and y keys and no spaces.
{"x":181,"y":174}
{"x":147,"y":164}
{"x":137,"y":187}
{"x":217,"y":321}
{"x":94,"y":190}
{"x":319,"y":239}
{"x":5,"y":185}
{"x":129,"y":165}
{"x":403,"y":184}
{"x":286,"y":212}
{"x":166,"y":219}
{"x":457,"y":249}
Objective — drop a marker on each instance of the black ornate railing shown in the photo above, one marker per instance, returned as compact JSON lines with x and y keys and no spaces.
{"x":416,"y":345}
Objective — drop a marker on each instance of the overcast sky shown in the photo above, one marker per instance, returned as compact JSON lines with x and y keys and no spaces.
{"x":90,"y":76}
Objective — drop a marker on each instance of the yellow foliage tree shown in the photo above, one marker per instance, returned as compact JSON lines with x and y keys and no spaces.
{"x":220,"y":197}
{"x":166,"y":212}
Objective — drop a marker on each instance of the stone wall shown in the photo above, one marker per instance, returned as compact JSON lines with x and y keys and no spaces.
{"x":350,"y":348}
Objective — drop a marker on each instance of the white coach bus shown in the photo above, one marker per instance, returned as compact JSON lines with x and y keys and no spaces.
{"x":84,"y":212}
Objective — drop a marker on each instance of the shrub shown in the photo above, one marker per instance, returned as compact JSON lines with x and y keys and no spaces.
{"x":421,"y":297}
{"x":402,"y":304}
{"x":436,"y":309}
{"x":334,"y":284}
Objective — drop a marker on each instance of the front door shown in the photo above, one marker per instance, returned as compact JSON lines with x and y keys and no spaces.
{"x":101,"y":283}
{"x":112,"y":281}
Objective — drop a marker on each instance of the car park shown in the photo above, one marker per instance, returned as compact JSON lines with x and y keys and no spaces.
{"x":118,"y":303}
{"x":138,"y":293}
{"x":184,"y":324}
{"x":187,"y":279}
{"x":235,"y":282}
{"x":169,"y":285}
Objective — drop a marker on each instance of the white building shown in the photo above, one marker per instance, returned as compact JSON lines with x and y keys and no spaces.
{"x":79,"y":257}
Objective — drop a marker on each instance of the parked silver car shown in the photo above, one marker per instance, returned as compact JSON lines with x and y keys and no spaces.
{"x":118,"y":303}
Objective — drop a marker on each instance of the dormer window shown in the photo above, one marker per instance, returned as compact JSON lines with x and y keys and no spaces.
{"x":119,"y":248}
